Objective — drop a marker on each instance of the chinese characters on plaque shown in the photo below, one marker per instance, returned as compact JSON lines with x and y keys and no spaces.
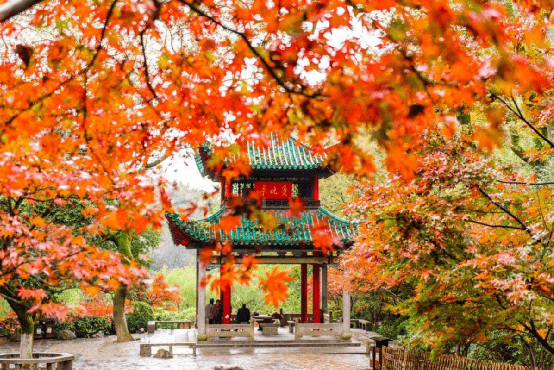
{"x":273,"y":189}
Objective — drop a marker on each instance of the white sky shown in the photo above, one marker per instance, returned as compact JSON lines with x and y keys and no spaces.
{"x":183,"y":170}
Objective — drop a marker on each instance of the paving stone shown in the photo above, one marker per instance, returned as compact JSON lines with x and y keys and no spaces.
{"x":106,"y":354}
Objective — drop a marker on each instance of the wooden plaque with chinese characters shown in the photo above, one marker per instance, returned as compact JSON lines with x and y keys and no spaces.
{"x":273,"y":189}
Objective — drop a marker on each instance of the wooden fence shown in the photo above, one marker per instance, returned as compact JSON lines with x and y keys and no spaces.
{"x":401,"y":359}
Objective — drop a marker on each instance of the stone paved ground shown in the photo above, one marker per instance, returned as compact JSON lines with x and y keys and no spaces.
{"x":106,"y":354}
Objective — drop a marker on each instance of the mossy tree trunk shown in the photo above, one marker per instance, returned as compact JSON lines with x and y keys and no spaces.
{"x":123,"y":240}
{"x":27,"y":322}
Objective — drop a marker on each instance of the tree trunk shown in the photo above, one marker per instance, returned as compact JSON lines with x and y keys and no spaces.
{"x":27,"y":322}
{"x":123,"y":240}
{"x":120,"y":322}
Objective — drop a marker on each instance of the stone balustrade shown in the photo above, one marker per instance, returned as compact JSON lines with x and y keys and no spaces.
{"x":214,"y":331}
{"x":317,"y":330}
{"x":49,"y":361}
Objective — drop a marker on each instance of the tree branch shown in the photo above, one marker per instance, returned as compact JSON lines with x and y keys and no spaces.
{"x":156,"y":162}
{"x":264,"y":62}
{"x":15,"y":7}
{"x":85,"y":91}
{"x":525,"y":183}
{"x":496,"y":226}
{"x":146,"y":73}
{"x":531,"y":329}
{"x":508,"y":212}
{"x":70,"y":78}
{"x":520,"y":115}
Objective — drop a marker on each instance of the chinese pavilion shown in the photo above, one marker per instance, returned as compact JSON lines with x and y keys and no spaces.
{"x":282,"y":170}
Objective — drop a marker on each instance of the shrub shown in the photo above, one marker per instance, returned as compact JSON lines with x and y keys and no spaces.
{"x":140,"y":316}
{"x":87,"y":326}
{"x":9,"y":325}
{"x":59,"y":326}
{"x":163,"y":315}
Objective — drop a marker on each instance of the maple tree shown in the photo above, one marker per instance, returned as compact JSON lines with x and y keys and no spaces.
{"x":472,"y":234}
{"x":159,"y":294}
{"x":91,"y":91}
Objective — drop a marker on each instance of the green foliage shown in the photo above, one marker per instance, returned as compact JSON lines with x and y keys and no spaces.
{"x":4,"y":308}
{"x":139,"y":317}
{"x":185,"y":277}
{"x":502,"y":346}
{"x":252,"y":295}
{"x":87,"y":326}
{"x":184,"y":314}
{"x":394,"y":327}
{"x":334,"y":193}
{"x":59,"y":326}
{"x":375,"y":306}
{"x":70,"y":296}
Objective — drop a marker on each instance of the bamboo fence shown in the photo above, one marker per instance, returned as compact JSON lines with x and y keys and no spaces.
{"x":402,"y":359}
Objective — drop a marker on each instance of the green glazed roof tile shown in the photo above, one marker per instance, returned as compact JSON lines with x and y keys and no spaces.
{"x":279,"y":155}
{"x":296,"y":230}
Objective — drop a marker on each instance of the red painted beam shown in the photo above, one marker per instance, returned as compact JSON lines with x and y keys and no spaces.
{"x":316,"y":188}
{"x":316,"y":294}
{"x":226,"y":300}
{"x":304,"y":293}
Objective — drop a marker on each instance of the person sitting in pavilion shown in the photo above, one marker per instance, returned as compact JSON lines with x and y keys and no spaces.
{"x":243,"y":314}
{"x":277,"y":318}
{"x":218,"y":316}
{"x":210,"y":312}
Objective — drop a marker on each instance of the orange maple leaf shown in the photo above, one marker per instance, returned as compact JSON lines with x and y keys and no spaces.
{"x":323,"y":238}
{"x":206,"y":255}
{"x":229,"y":223}
{"x":274,"y":286}
{"x":296,"y":207}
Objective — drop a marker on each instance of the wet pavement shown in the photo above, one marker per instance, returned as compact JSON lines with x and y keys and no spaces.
{"x":106,"y":354}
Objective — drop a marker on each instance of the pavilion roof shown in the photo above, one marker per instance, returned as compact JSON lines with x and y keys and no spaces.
{"x":293,"y":232}
{"x":280,"y":154}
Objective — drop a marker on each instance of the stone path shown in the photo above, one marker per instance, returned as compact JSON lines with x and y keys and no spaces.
{"x":106,"y":354}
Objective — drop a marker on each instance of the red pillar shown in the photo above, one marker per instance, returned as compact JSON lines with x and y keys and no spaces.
{"x":316,"y":188}
{"x":304,"y":292}
{"x":226,"y":301}
{"x":316,"y":294}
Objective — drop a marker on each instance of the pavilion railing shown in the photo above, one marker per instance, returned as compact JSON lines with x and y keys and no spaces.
{"x":214,"y":331}
{"x":317,"y":330}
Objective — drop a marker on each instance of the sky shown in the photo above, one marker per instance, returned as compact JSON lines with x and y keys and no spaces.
{"x":183,"y":170}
